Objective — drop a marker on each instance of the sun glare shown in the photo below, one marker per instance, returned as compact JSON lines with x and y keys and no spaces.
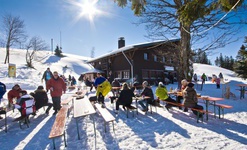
{"x":88,"y":9}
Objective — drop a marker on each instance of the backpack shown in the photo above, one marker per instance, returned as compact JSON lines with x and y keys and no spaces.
{"x":28,"y":107}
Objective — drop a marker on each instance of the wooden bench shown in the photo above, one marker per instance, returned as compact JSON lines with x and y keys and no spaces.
{"x":58,"y":128}
{"x":200,"y":111}
{"x":175,"y":104}
{"x":67,"y":102}
{"x":130,"y":108}
{"x":107,"y":116}
{"x":221,"y":108}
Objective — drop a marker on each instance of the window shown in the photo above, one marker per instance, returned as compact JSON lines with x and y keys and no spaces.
{"x":171,"y":60}
{"x":155,"y":58}
{"x":118,"y":74}
{"x":145,"y":74}
{"x":163,"y":59}
{"x":146,"y":56}
{"x":126,"y":74}
{"x":152,"y":74}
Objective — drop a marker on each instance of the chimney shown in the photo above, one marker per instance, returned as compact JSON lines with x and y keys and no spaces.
{"x":121,"y":42}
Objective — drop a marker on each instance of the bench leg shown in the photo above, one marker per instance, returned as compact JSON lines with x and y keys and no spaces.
{"x":53,"y":141}
{"x":219,"y":109}
{"x":105,"y":126}
{"x":223,"y":112}
{"x":64,"y":138}
{"x":197,"y":117}
{"x":94,"y":131}
{"x":113,"y":126}
{"x":127,"y":112}
{"x":6,"y":128}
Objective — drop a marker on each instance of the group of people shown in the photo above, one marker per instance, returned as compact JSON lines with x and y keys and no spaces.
{"x":125,"y":95}
{"x":57,"y":87}
{"x":215,"y":79}
{"x":18,"y":98}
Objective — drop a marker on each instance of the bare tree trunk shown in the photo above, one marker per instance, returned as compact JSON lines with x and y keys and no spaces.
{"x":184,"y":66}
{"x":7,"y":56}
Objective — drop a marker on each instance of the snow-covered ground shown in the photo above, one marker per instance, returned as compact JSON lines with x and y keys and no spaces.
{"x":162,"y":130}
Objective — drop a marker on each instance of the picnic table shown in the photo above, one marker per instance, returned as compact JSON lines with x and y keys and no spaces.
{"x":209,"y":99}
{"x":176,"y":93}
{"x":83,"y":108}
{"x":242,"y":90}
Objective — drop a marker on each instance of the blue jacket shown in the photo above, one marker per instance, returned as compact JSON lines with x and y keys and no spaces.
{"x":99,"y":80}
{"x":2,"y":90}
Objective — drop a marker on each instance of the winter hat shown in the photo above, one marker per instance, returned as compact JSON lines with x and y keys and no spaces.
{"x":17,"y":85}
{"x":40,"y":87}
{"x":23,"y":92}
{"x":145,"y":83}
{"x":190,"y":85}
{"x":161,"y":84}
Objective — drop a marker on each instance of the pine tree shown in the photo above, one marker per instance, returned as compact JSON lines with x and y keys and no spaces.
{"x":240,"y":66}
{"x":58,"y":51}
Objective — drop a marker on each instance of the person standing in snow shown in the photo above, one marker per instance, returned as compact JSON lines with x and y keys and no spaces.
{"x":57,"y":87}
{"x":103,"y":87}
{"x":195,"y":77}
{"x":217,"y":83}
{"x":47,"y":75}
{"x":73,"y":81}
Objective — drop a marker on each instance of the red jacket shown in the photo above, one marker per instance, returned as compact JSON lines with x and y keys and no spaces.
{"x":12,"y":94}
{"x":58,"y":86}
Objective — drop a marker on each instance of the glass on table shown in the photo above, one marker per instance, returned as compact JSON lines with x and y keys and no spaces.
{"x":14,"y":100}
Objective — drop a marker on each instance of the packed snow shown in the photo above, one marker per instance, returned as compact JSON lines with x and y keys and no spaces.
{"x":160,"y":130}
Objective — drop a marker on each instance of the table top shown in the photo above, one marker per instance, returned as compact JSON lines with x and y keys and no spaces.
{"x":176,"y":93}
{"x":141,"y":98}
{"x":241,"y":84}
{"x":208,"y":98}
{"x":115,"y":88}
{"x":83,"y":107}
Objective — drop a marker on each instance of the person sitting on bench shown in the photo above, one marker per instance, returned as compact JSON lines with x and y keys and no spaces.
{"x":147,"y":91}
{"x":2,"y":92}
{"x":41,"y":99}
{"x":25,"y":104}
{"x":190,"y":98}
{"x":125,"y":97}
{"x":161,"y":94}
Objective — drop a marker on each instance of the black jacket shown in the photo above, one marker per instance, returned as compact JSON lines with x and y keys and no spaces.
{"x":126,"y":97}
{"x":41,"y":98}
{"x":148,"y":92}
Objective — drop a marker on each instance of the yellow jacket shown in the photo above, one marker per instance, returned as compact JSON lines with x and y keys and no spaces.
{"x":161,"y":93}
{"x":103,"y":88}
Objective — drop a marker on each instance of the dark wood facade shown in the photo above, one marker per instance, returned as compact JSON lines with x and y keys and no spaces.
{"x":148,"y":61}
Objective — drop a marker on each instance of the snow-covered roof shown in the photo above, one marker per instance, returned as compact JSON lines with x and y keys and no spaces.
{"x":94,"y":70}
{"x":126,"y":48}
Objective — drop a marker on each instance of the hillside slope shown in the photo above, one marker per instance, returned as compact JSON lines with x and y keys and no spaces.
{"x":70,"y":65}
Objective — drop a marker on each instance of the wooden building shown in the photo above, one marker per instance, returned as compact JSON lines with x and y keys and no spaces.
{"x":149,"y":61}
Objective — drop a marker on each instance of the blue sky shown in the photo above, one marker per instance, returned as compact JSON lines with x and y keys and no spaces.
{"x":49,"y":18}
